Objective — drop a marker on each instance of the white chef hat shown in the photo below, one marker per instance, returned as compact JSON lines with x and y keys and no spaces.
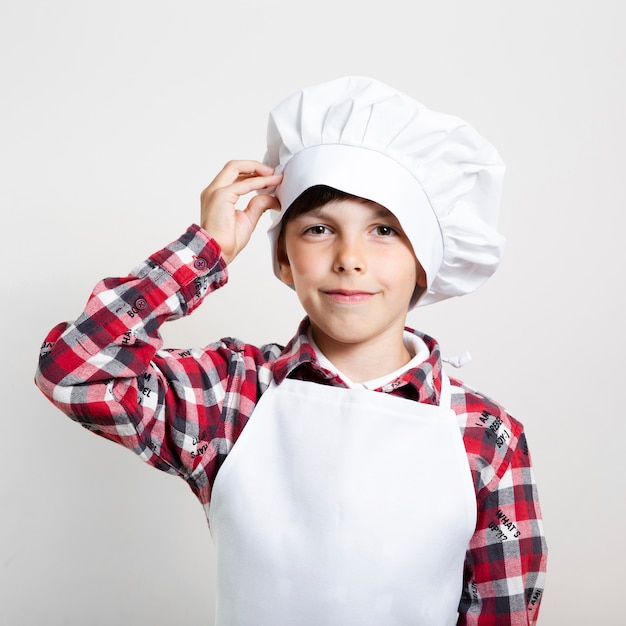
{"x":433,"y":171}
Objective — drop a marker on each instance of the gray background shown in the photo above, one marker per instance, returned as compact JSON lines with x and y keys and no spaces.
{"x":115,"y":115}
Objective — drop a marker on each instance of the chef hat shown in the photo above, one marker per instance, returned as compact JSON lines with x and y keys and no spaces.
{"x":433,"y":171}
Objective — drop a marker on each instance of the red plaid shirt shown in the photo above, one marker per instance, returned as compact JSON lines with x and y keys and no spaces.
{"x":182,"y":411}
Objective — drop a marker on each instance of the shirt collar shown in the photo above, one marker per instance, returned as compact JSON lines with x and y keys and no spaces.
{"x":422,"y":383}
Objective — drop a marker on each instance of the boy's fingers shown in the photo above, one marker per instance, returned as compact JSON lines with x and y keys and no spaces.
{"x":240,"y":170}
{"x":240,"y":178}
{"x":258,"y":205}
{"x":254,"y":183}
{"x":231,"y":193}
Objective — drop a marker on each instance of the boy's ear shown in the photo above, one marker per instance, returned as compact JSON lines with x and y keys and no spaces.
{"x":421,"y":276}
{"x":284,"y":267}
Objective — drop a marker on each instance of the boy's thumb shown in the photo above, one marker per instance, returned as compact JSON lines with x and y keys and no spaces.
{"x":258,"y":205}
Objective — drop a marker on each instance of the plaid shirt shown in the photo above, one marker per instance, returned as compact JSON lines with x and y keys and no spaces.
{"x":182,"y":411}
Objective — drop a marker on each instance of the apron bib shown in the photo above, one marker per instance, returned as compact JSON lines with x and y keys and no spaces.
{"x":342,"y":507}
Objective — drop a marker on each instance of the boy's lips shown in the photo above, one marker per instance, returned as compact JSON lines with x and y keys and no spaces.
{"x":348,"y":296}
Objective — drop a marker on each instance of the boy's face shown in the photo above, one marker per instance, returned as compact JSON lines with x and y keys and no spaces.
{"x":354,"y":271}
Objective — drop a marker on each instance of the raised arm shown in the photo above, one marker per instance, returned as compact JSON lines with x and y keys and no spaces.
{"x":107,"y":369}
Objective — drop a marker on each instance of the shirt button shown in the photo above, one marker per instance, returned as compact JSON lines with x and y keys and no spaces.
{"x":200,"y":263}
{"x":140,"y":304}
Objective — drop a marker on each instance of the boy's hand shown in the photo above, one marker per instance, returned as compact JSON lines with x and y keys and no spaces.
{"x":230,"y":227}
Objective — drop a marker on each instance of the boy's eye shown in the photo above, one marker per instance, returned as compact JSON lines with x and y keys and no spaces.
{"x":317,"y":229}
{"x":384,"y":231}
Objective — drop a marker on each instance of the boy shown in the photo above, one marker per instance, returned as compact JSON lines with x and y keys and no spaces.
{"x":345,"y":478}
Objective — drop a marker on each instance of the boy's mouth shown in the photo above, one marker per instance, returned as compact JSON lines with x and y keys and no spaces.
{"x":348,"y":296}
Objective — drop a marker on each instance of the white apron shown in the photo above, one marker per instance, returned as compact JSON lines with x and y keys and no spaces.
{"x":342,"y":507}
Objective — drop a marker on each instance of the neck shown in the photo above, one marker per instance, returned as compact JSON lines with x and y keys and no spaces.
{"x":364,"y":361}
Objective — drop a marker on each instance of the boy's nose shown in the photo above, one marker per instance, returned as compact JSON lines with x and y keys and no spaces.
{"x":350,"y":258}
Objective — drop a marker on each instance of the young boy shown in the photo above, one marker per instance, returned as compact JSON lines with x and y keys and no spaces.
{"x":346,"y":479}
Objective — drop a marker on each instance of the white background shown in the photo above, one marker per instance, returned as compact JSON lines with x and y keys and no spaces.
{"x":115,"y":115}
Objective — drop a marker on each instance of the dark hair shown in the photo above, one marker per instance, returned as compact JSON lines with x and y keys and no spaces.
{"x":315,"y":197}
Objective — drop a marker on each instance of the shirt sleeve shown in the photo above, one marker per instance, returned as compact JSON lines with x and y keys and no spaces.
{"x":179,"y":410}
{"x":506,"y":560}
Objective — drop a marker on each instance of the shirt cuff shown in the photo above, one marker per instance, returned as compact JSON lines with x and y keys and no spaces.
{"x":194,"y":262}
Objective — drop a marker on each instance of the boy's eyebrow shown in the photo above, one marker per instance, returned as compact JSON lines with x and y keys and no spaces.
{"x":383,"y":212}
{"x":380,"y":211}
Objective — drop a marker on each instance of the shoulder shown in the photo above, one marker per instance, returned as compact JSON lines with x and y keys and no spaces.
{"x":490,"y":434}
